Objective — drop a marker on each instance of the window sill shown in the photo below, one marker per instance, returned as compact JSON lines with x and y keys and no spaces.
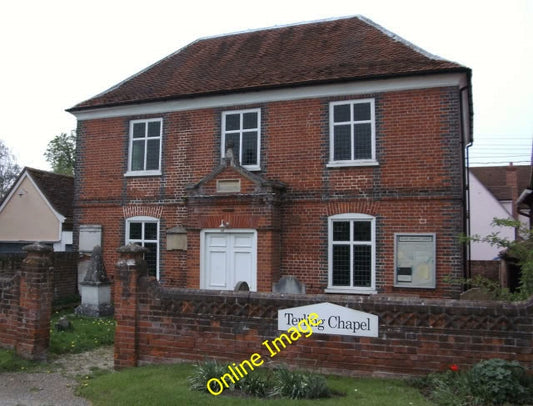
{"x":351,"y":291}
{"x":130,"y":174}
{"x":252,"y":168}
{"x":408,"y":286}
{"x":342,"y":164}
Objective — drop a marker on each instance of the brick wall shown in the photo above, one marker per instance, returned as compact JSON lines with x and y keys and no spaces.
{"x":416,"y":336}
{"x":487,"y":269}
{"x":64,"y":275}
{"x":26,"y":305}
{"x":417,"y":186}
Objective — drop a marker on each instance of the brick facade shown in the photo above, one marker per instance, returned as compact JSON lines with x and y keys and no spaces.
{"x":416,"y":188}
{"x":416,"y":336}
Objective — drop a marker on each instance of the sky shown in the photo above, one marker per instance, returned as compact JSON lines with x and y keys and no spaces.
{"x":57,"y":53}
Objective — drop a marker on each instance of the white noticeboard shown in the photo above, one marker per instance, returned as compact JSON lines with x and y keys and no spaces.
{"x":414,"y":260}
{"x":335,"y":320}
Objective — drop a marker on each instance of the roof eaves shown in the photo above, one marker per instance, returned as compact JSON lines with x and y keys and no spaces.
{"x":118,"y":85}
{"x":313,"y":82}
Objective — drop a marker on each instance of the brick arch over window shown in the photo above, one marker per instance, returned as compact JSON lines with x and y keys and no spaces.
{"x":359,"y":206}
{"x":146,"y":211}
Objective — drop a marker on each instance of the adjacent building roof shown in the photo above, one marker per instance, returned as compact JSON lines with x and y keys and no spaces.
{"x":57,"y":189}
{"x":494,"y":178}
{"x":343,"y":49}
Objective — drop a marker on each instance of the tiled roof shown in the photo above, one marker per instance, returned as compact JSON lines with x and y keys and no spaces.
{"x":58,"y":189}
{"x":329,"y":51}
{"x":494,"y":179}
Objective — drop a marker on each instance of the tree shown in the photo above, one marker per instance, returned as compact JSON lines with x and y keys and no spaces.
{"x":61,"y":153}
{"x":9,"y":169}
{"x":520,"y":251}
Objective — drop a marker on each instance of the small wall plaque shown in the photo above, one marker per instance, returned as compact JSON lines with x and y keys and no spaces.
{"x":177,"y":238}
{"x":228,"y":185}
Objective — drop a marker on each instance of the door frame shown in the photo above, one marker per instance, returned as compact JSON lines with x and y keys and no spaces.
{"x":203,"y":270}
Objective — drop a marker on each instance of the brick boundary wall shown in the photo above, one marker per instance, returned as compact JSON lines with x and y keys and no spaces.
{"x":26,"y":305}
{"x":416,"y":336}
{"x":64,"y":277}
{"x":487,"y":269}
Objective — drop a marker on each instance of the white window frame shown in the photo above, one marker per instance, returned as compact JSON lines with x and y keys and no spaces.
{"x":144,"y":172}
{"x":257,"y":166}
{"x":352,"y":289}
{"x":352,"y":162}
{"x":144,"y":220}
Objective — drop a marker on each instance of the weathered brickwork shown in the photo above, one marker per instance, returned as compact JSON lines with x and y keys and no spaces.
{"x":416,"y":336}
{"x":65,"y":275}
{"x":417,"y":186}
{"x":26,"y":305}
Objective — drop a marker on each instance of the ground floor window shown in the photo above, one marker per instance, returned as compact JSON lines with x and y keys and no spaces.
{"x":352,"y":250}
{"x":145,"y":232}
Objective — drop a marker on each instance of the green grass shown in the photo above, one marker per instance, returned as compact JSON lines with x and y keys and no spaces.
{"x":87,"y":333}
{"x":168,"y":385}
{"x":10,"y":362}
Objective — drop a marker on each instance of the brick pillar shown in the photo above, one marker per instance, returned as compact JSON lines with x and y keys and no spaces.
{"x":130,"y":267}
{"x":35,"y":306}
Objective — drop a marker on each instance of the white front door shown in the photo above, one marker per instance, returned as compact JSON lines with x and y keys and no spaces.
{"x":227,"y":258}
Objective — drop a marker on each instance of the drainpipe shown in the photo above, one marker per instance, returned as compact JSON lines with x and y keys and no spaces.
{"x":466,"y":181}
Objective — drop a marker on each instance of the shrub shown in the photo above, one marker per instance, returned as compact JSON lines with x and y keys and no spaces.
{"x":256,"y":385}
{"x":203,"y":372}
{"x":519,"y":250}
{"x":491,"y":382}
{"x":500,"y":381}
{"x":299,"y":385}
{"x":280,"y":383}
{"x":452,"y":389}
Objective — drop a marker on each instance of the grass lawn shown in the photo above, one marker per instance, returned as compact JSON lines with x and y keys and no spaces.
{"x":87,"y":333}
{"x":10,"y":362}
{"x":168,"y":385}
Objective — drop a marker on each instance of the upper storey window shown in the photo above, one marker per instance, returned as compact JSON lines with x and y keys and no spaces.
{"x":241,"y":131}
{"x":352,"y":133}
{"x":145,"y":147}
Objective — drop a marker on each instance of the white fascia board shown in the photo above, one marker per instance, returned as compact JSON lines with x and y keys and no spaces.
{"x":14,"y":188}
{"x":458,"y":80}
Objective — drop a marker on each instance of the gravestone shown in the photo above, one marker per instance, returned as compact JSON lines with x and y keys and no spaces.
{"x":288,"y":284}
{"x":95,"y":289}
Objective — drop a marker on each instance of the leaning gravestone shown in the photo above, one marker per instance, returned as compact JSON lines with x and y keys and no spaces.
{"x":95,"y":288}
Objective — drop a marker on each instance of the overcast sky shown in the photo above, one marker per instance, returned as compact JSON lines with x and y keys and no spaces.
{"x":55,"y":54}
